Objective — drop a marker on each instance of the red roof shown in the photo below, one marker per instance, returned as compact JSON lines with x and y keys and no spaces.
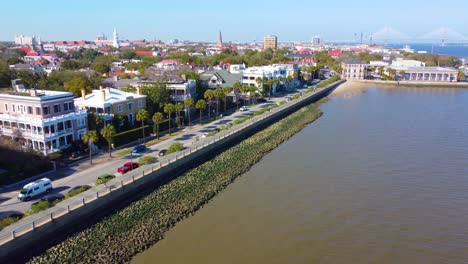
{"x":32,"y":54}
{"x":144,"y":52}
{"x":168,"y":62}
{"x":335,"y":53}
{"x":25,"y":50}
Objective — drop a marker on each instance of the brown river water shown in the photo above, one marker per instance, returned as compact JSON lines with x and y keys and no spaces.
{"x":381,"y":177}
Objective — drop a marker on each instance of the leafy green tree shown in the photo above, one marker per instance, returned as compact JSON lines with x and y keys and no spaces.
{"x":461,"y":75}
{"x":5,"y":74}
{"x":158,"y":118}
{"x":245,"y":90}
{"x":226,"y":91}
{"x":200,"y":105}
{"x":157,"y":95}
{"x":169,"y":109}
{"x":108,"y":133}
{"x":29,"y":79}
{"x":70,"y":65}
{"x":178,"y":108}
{"x":100,"y":67}
{"x":76,"y":84}
{"x":402,"y":74}
{"x":142,"y":115}
{"x":90,"y":138}
{"x":188,"y":103}
{"x":90,"y":54}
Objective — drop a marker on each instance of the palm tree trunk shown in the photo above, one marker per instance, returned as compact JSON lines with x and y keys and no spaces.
{"x":143,"y":128}
{"x":157,"y":131}
{"x":110,"y":153}
{"x":169,"y":124}
{"x":90,"y":156}
{"x":200,"y":116}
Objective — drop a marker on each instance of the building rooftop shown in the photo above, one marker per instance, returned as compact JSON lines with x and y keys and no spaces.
{"x":35,"y":95}
{"x":352,"y":61}
{"x":112,"y":96}
{"x":228,"y":78}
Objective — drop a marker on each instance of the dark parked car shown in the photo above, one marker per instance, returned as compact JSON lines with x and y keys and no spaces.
{"x":261,"y":100}
{"x":104,"y":178}
{"x":51,"y":198}
{"x":162,"y":152}
{"x":138,"y":149}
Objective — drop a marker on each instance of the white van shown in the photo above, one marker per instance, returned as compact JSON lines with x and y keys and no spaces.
{"x":34,"y":189}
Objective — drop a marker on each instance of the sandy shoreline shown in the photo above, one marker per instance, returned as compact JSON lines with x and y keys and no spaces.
{"x":350,"y":88}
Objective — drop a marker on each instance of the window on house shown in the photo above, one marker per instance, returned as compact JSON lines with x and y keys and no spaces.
{"x":56,"y":108}
{"x":65,"y":107}
{"x":45,"y":110}
{"x":13,"y":108}
{"x":119,"y":108}
{"x":30,"y":110}
{"x":71,"y":106}
{"x":130,"y":106}
{"x":38,"y":111}
{"x":140,"y":103}
{"x":6,"y":107}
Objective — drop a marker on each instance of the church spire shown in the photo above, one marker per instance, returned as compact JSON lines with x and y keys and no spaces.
{"x":115,"y":42}
{"x":220,"y":40}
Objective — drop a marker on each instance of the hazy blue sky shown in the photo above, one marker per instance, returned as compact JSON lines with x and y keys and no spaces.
{"x":241,"y":20}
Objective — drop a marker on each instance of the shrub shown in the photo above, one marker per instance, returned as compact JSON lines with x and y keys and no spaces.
{"x":174,"y":147}
{"x":145,"y":160}
{"x":8,"y":221}
{"x":76,"y":191}
{"x":40,"y":206}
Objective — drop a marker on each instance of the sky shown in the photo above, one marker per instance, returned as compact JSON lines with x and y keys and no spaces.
{"x":239,"y":21}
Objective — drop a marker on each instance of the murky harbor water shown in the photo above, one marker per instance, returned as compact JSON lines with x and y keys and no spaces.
{"x":382,"y":177}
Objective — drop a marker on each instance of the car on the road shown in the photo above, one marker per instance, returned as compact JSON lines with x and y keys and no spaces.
{"x":105,"y":178}
{"x":139,"y":148}
{"x":162,"y":152}
{"x":34,"y":189}
{"x":51,"y":198}
{"x":243,"y":108}
{"x":128,"y":166}
{"x":261,"y":100}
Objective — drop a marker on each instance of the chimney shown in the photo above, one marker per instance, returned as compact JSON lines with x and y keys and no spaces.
{"x":83,"y":93}
{"x":33,"y":92}
{"x":100,"y":88}
{"x":108,"y":90}
{"x":138,"y":90}
{"x":184,"y":77}
{"x":103,"y":93}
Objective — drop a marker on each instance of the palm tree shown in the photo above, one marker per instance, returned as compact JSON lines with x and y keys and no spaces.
{"x":237,"y":89}
{"x":219,"y":93}
{"x":90,"y":138}
{"x":402,"y":74}
{"x":168,"y":109}
{"x":226,"y":91}
{"x":200,"y":105}
{"x":209,"y":95}
{"x":188,"y":104}
{"x":158,"y":118}
{"x":252,"y":92}
{"x":108,"y":133}
{"x":178,"y":108}
{"x":245,"y":89}
{"x":142,"y":115}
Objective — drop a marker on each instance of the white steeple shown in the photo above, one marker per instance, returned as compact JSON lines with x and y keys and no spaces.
{"x":115,"y":42}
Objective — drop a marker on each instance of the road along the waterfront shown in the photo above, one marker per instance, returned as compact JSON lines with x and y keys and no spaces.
{"x":30,"y":232}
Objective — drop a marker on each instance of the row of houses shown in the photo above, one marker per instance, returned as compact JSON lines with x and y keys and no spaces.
{"x":48,"y":121}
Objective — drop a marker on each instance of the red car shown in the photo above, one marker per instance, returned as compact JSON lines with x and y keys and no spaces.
{"x":127,"y":167}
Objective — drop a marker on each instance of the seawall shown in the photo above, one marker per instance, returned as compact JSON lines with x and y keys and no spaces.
{"x":37,"y":232}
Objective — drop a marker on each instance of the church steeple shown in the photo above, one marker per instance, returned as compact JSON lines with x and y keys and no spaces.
{"x":115,"y":42}
{"x":220,"y":40}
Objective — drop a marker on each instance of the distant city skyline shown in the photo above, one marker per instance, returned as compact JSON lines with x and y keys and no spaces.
{"x":244,"y":21}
